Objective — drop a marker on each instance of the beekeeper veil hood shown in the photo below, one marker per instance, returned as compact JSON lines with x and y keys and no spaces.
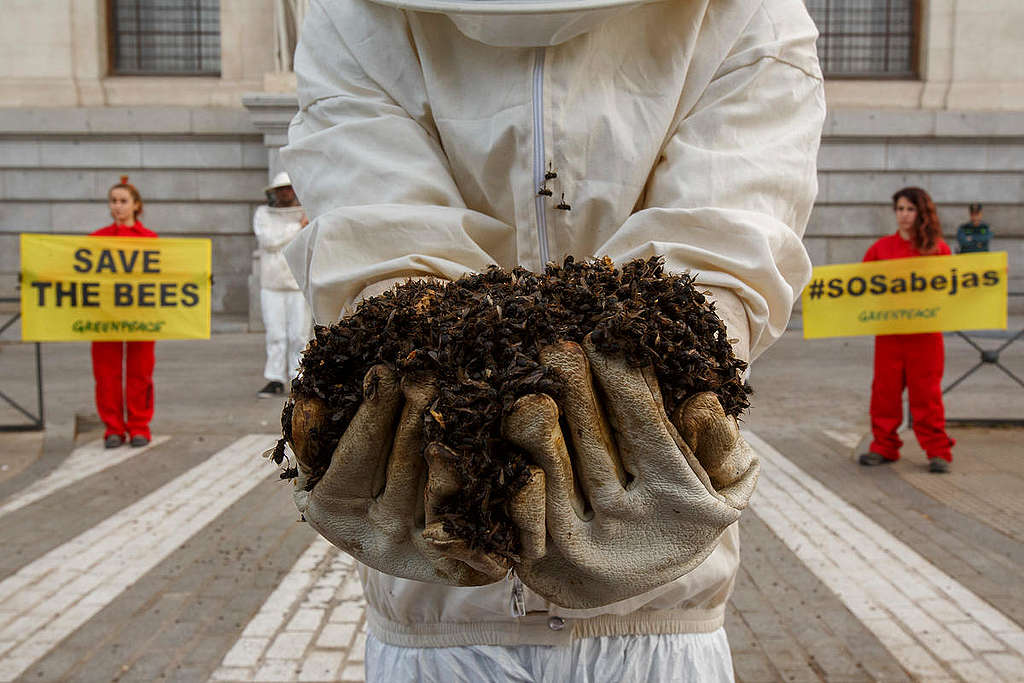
{"x":521,"y":23}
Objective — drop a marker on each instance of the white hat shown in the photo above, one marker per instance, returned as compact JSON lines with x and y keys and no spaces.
{"x":521,"y":23}
{"x":280,"y":180}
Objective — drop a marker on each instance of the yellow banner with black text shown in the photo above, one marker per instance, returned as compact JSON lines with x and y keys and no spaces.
{"x":76,"y":288}
{"x":907,"y":296}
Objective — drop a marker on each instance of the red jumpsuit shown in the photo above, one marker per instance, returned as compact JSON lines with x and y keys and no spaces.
{"x":914,"y":361}
{"x":108,"y":358}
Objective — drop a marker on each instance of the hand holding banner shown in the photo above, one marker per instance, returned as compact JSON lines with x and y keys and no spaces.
{"x":907,"y":296}
{"x":114,"y":288}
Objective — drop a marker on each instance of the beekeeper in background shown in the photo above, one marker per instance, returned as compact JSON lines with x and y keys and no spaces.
{"x":437,"y":137}
{"x":286,"y":316}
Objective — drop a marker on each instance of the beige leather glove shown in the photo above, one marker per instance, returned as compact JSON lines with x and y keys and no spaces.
{"x":733,"y":313}
{"x":649,"y":504}
{"x":371,"y":502}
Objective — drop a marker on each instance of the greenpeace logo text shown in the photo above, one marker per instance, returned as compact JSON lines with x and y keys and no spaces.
{"x":898,"y":314}
{"x":880,"y":284}
{"x":83,"y":326}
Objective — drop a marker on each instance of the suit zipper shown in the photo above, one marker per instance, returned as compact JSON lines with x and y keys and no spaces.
{"x":538,"y":154}
{"x":517,"y":595}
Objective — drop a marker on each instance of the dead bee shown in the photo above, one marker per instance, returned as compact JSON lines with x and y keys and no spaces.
{"x":276,"y":454}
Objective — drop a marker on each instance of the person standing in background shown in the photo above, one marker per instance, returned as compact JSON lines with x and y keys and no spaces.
{"x":974,"y":235}
{"x":911,"y":361}
{"x":125,"y":405}
{"x":286,"y":316}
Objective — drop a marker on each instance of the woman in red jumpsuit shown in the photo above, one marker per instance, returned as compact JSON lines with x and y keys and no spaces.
{"x":125,"y":405}
{"x":913,"y":361}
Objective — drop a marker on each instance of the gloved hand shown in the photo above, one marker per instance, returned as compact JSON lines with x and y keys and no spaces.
{"x":649,"y":504}
{"x":733,"y":313}
{"x":371,"y":502}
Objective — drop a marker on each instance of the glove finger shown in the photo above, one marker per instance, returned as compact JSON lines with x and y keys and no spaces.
{"x":442,"y":479}
{"x":647,"y":443}
{"x":309,"y":415}
{"x":532,"y":424}
{"x":528,"y":516}
{"x":737,"y":493}
{"x":492,"y":566}
{"x":362,"y":452}
{"x":597,"y":459}
{"x":715,"y":439}
{"x":403,"y":486}
{"x":443,"y":482}
{"x":706,"y":429}
{"x":527,"y":508}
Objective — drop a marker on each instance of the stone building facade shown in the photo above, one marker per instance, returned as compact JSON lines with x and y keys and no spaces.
{"x":74,"y":117}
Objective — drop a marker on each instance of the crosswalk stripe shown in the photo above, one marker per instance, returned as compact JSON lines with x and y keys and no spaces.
{"x":311,"y":628}
{"x":848,"y":439}
{"x":84,"y":461}
{"x":933,"y":625}
{"x":50,"y":598}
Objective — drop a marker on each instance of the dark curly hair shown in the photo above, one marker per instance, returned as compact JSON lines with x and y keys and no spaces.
{"x":927,"y":229}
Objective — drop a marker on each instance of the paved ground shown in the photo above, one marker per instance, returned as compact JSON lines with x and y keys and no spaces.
{"x":184,"y":560}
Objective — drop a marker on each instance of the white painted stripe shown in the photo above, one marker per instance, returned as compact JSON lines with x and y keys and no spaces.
{"x":84,"y":461}
{"x":309,"y":629}
{"x":934,"y":626}
{"x":63,"y":589}
{"x":848,"y":439}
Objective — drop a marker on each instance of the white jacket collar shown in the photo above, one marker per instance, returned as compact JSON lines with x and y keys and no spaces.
{"x":521,"y":23}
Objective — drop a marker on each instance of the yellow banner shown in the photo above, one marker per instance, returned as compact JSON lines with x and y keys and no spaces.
{"x":114,"y":288}
{"x":906,"y":296}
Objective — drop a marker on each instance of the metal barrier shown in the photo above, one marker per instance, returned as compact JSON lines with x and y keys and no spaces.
{"x":36,"y":421}
{"x":988,"y":357}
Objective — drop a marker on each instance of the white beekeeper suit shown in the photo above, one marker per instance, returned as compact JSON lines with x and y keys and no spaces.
{"x":286,"y":315}
{"x":426,"y":141}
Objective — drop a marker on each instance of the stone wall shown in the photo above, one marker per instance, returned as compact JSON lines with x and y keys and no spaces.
{"x":54,"y":53}
{"x":202,"y":170}
{"x":201,"y":173}
{"x":958,"y":157}
{"x":70,"y":128}
{"x":969,"y":59}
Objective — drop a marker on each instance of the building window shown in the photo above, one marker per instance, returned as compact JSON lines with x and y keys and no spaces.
{"x":866,"y":38}
{"x":165,"y":37}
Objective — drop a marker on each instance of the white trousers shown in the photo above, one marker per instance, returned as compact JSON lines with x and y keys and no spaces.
{"x":287,"y":321}
{"x":696,"y":657}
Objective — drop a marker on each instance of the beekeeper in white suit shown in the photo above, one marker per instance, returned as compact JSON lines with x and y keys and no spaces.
{"x":437,"y":137}
{"x":286,"y":316}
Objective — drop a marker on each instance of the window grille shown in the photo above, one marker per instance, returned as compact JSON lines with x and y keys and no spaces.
{"x":166,"y":37}
{"x":866,"y":38}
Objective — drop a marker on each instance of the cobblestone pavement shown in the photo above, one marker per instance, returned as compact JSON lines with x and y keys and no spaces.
{"x":184,"y":560}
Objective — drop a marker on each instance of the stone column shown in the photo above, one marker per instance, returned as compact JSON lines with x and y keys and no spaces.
{"x":288,"y":16}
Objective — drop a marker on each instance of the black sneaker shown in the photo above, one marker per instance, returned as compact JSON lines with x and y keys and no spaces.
{"x":938,"y":465}
{"x":113,"y":441}
{"x":138,"y":441}
{"x":272,"y":389}
{"x":871,"y":459}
